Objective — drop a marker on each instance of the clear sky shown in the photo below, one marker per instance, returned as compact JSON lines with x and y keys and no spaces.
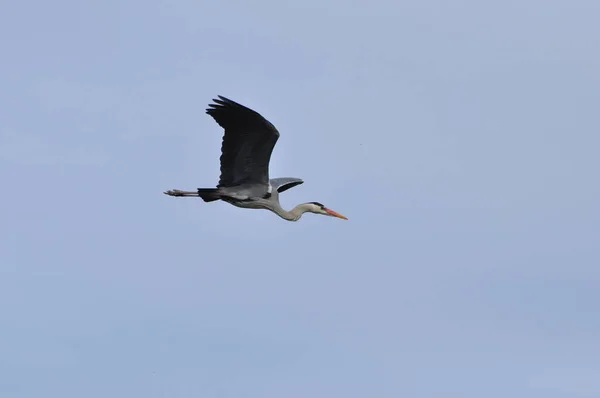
{"x":460,"y":138}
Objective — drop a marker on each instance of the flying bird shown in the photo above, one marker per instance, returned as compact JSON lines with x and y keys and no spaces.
{"x":246,"y":150}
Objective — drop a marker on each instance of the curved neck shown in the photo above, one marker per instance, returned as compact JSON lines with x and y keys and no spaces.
{"x":294,"y":214}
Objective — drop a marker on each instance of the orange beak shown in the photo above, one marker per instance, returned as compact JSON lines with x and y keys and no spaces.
{"x":334,"y":214}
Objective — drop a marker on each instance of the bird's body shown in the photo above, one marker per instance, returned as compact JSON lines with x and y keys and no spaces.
{"x":246,"y":150}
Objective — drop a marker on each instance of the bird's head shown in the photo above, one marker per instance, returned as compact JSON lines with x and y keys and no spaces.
{"x":318,"y":208}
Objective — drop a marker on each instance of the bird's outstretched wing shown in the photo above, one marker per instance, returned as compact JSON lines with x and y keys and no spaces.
{"x":247,"y":145}
{"x":284,"y":183}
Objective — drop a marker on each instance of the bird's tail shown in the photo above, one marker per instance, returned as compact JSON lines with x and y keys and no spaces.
{"x":208,"y":194}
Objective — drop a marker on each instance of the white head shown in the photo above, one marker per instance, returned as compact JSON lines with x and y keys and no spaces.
{"x":318,"y":208}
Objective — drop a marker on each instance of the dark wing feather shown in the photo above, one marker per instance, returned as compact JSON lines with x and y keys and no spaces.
{"x":282,"y":184}
{"x":247,"y":145}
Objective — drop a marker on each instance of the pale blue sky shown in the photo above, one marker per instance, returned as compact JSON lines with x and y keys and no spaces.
{"x":461,"y":139}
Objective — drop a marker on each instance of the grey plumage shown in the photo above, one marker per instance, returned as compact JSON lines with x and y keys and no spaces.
{"x":285,"y":183}
{"x":246,"y":150}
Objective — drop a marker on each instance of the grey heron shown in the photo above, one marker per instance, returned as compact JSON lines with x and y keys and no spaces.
{"x":246,"y":150}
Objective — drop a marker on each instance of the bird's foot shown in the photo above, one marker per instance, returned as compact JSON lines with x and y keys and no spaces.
{"x":174,"y":192}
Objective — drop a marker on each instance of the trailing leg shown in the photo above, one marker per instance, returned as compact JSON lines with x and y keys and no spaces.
{"x":207,"y":194}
